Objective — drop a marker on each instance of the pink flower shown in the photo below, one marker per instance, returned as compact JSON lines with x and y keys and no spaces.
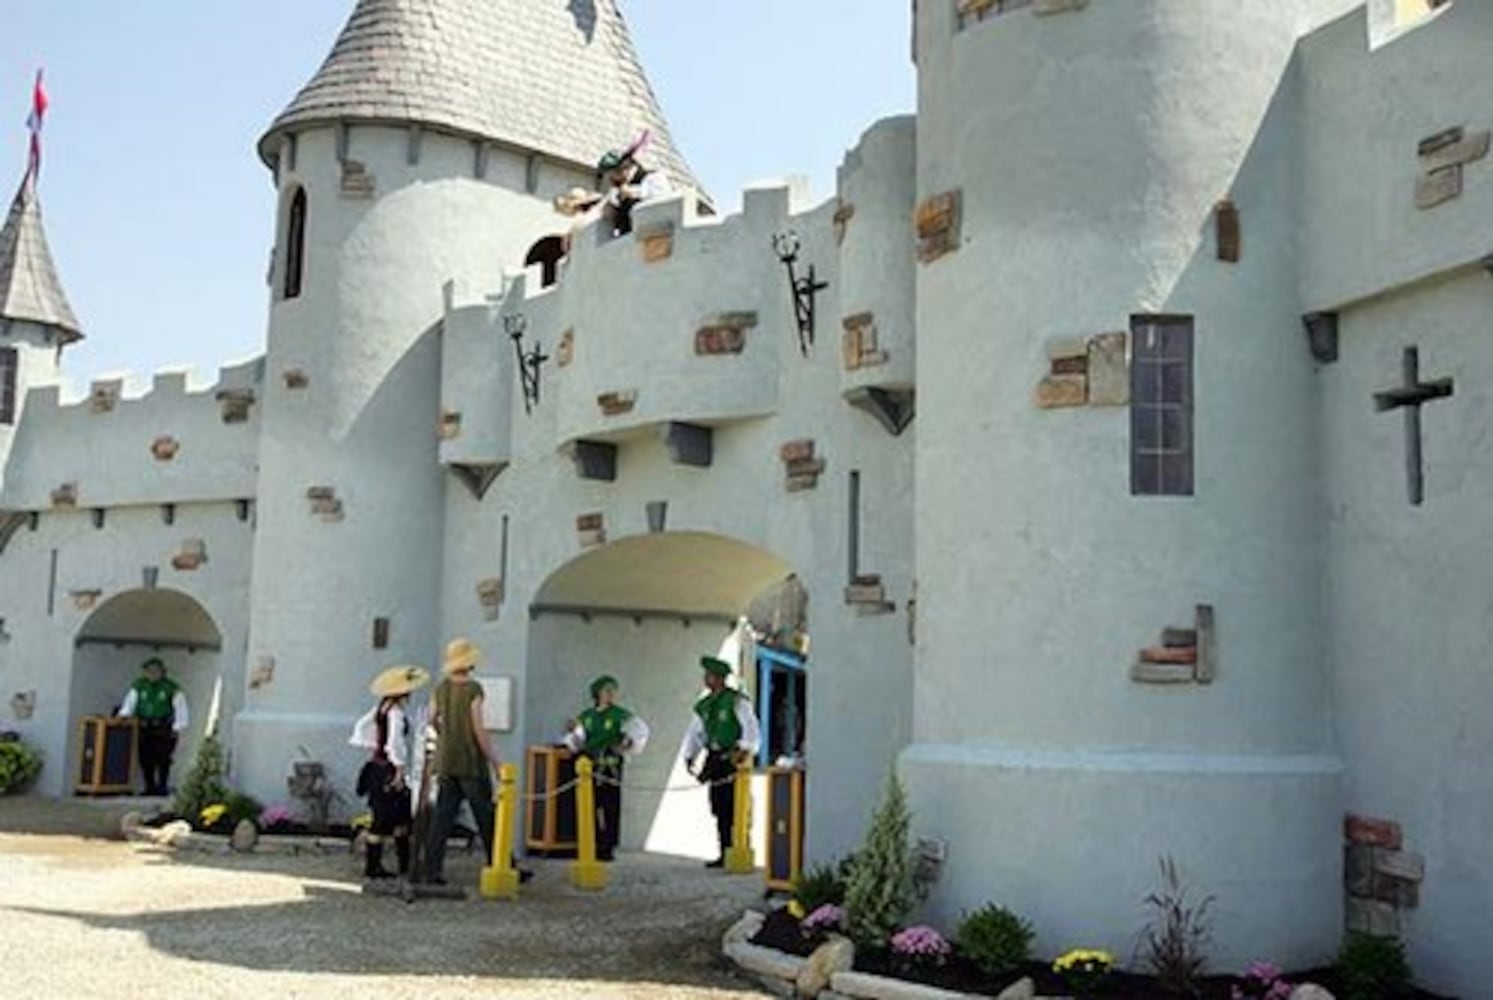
{"x":828,"y":917}
{"x":921,"y":942}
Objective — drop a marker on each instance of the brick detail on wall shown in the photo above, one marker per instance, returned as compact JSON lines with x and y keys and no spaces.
{"x":969,"y":12}
{"x":490,"y":597}
{"x":263,"y":674}
{"x":356,"y":181}
{"x":867,"y":594}
{"x":724,"y":334}
{"x":1442,"y":159}
{"x":65,"y":495}
{"x":616,"y":403}
{"x":1085,"y":371}
{"x":164,"y":448}
{"x":103,"y":397}
{"x":449,"y":428}
{"x":844,"y":212}
{"x":190,"y":555}
{"x":1228,"y":235}
{"x":324,"y":503}
{"x":235,"y":404}
{"x":858,"y":344}
{"x":937,"y":222}
{"x":1380,"y":878}
{"x":565,"y":353}
{"x":656,"y":242}
{"x":84,"y":600}
{"x":591,"y":530}
{"x":296,"y":378}
{"x":801,"y":467}
{"x":1184,"y":655}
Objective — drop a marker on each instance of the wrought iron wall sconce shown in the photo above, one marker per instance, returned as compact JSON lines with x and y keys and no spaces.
{"x":529,"y":363}
{"x":805,"y":289}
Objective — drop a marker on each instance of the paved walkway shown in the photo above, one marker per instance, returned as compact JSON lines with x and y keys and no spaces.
{"x":84,"y":917}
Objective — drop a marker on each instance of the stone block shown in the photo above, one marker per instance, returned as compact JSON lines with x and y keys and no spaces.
{"x":865,"y":594}
{"x":872,"y":609}
{"x":1310,"y":991}
{"x":1170,"y":654}
{"x":657,"y":244}
{"x":1161,"y":673}
{"x":1109,"y":370}
{"x":1440,"y":140}
{"x":806,"y":467}
{"x":1406,"y":865}
{"x":937,"y":222}
{"x":449,"y":428}
{"x":743,"y":930}
{"x":1438,"y":186}
{"x":1057,"y":391}
{"x":1358,"y":870}
{"x":797,"y":451}
{"x":1206,"y":669}
{"x":835,"y":955}
{"x":1465,"y":150}
{"x":590,"y":522}
{"x":356,"y":181}
{"x":1179,"y":638}
{"x":296,"y":378}
{"x":1227,"y":233}
{"x":1063,"y":348}
{"x":765,"y":961}
{"x":235,"y":404}
{"x":23,"y":705}
{"x":164,"y":448}
{"x":863,"y":984}
{"x":84,"y":600}
{"x":616,"y":403}
{"x":1373,"y":832}
{"x":1398,"y":893}
{"x":263,"y":674}
{"x":65,"y":495}
{"x":716,"y":340}
{"x":490,"y":592}
{"x":245,"y":836}
{"x":1057,"y":6}
{"x":104,"y":396}
{"x":1372,"y":916}
{"x":844,"y":212}
{"x":191,"y":555}
{"x":565,"y":353}
{"x":1022,"y":989}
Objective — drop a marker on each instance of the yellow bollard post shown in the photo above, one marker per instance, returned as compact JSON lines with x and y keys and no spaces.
{"x":739,"y":858}
{"x":499,"y":878}
{"x":585,"y":871}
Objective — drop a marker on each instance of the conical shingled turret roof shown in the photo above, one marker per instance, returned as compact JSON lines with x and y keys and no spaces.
{"x":558,"y":77}
{"x":29,"y":288}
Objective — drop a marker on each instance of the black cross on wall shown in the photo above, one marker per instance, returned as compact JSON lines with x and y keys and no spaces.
{"x":1410,"y":397}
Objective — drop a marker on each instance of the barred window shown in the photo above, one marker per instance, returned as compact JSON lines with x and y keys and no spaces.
{"x":9,"y":369}
{"x":1161,"y":437}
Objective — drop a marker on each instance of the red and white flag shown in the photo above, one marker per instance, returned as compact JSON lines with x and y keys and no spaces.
{"x":34,"y":122}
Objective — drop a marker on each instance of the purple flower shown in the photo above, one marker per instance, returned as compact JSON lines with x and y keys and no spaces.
{"x":273,"y":816}
{"x":828,"y":917}
{"x":921,"y":943}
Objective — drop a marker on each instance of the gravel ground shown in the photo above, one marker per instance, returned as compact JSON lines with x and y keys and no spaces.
{"x":82,"y":916}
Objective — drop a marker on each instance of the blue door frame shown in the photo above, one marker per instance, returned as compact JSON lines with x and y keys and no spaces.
{"x":767,"y":658}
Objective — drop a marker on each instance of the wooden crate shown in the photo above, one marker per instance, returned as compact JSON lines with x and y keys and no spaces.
{"x":549,"y":821}
{"x":785,"y":827}
{"x":107,"y":751}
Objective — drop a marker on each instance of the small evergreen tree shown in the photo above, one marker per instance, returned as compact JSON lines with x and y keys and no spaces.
{"x":880,"y":893}
{"x":204,"y":784}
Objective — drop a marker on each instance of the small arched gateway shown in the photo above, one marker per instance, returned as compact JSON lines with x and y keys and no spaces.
{"x":645,"y":609}
{"x":125,"y":631}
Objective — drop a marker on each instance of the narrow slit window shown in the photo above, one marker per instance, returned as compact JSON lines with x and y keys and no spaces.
{"x":295,"y":244}
{"x":10,"y":364}
{"x":1161,"y":390}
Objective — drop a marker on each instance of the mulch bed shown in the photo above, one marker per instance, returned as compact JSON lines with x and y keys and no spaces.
{"x":781,"y":932}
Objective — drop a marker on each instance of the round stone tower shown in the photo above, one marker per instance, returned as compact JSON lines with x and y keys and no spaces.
{"x":427,"y":149}
{"x":36,"y":322}
{"x":1118,"y":570}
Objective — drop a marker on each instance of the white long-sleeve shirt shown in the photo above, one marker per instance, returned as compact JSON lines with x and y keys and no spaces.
{"x":751,"y":736}
{"x":635,"y":730}
{"x":179,"y":718}
{"x":396,"y":746}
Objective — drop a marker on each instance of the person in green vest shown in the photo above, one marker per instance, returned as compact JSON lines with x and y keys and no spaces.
{"x":725,"y":727}
{"x":606,"y":732}
{"x":157,"y":703}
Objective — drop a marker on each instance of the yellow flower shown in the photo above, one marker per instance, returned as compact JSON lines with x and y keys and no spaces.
{"x":211,"y":814}
{"x":362,"y":821}
{"x":796,"y":909}
{"x":1086,"y":957}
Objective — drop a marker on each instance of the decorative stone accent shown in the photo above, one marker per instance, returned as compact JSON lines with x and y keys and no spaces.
{"x":324,"y":503}
{"x":1057,"y":391}
{"x":657,"y":242}
{"x":65,"y":495}
{"x":1372,"y":832}
{"x":865,"y":985}
{"x":245,"y":836}
{"x":84,"y":600}
{"x":803,"y":469}
{"x":1442,"y":158}
{"x":23,"y":705}
{"x":191,"y":555}
{"x":104,"y":396}
{"x":1379,"y":878}
{"x":1022,"y":989}
{"x":743,"y":930}
{"x":165,"y":448}
{"x":724,"y":334}
{"x":867,"y":594}
{"x":235,"y":404}
{"x":357,"y":182}
{"x":565,"y":353}
{"x":937,"y":223}
{"x":835,"y":955}
{"x":858,"y":345}
{"x":615,"y":404}
{"x":1310,"y":991}
{"x":296,"y":378}
{"x":263,"y":674}
{"x":591,"y":530}
{"x":1093,"y":371}
{"x":449,"y":429}
{"x":490,"y":597}
{"x":1185,"y":656}
{"x":844,"y":212}
{"x":1226,"y":231}
{"x":1370,"y":916}
{"x":1057,"y":6}
{"x":766,"y":961}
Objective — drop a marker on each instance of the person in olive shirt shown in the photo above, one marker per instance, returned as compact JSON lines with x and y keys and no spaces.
{"x":725,"y":727}
{"x":464,"y":755}
{"x":606,"y":733}
{"x":156,"y":701}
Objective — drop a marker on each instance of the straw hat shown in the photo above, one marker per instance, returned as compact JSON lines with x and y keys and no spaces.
{"x":461,"y":654}
{"x":399,"y":680}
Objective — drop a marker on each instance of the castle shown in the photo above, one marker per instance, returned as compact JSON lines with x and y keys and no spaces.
{"x":1132,"y":454}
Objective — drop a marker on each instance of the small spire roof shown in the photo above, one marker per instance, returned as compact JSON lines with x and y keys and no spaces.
{"x":29,"y":287}
{"x":557,"y":77}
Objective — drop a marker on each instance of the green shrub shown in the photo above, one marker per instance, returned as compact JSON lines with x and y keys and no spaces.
{"x":818,"y":886}
{"x":19,"y":766}
{"x":994,"y":938}
{"x":879,"y":893}
{"x":242,"y":807}
{"x":1372,"y":968}
{"x":204,"y":783}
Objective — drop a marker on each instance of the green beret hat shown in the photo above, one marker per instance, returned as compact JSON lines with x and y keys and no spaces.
{"x":612,"y":160}
{"x":154,"y":661}
{"x":604,"y":681}
{"x":711,"y":665}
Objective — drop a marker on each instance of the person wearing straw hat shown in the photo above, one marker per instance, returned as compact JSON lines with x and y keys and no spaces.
{"x":464,"y":755}
{"x":725,"y":727}
{"x":606,"y":732}
{"x":385,"y":731}
{"x":158,"y":705}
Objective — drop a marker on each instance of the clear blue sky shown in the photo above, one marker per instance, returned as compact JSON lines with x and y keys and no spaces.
{"x":159,"y":213}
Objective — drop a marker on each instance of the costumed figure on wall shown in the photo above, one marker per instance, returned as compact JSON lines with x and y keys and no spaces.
{"x":156,"y":702}
{"x":606,"y":733}
{"x":725,"y":727}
